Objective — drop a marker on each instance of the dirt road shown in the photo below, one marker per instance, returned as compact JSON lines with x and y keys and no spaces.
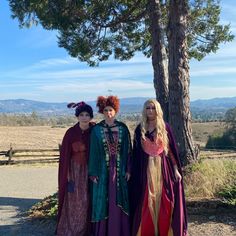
{"x":20,"y":188}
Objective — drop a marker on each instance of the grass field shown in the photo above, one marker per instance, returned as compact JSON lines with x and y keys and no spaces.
{"x":34,"y":137}
{"x":37,"y":137}
{"x":201,"y":131}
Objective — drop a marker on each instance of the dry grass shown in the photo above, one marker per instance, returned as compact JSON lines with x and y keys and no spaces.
{"x":207,"y":177}
{"x":37,"y":137}
{"x":34,"y":137}
{"x":201,"y":131}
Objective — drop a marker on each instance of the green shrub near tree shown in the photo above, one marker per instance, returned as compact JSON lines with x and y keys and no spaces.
{"x":228,"y":139}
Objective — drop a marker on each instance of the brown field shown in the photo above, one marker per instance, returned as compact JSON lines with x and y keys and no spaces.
{"x":201,"y":131}
{"x":34,"y":137}
{"x":37,"y":137}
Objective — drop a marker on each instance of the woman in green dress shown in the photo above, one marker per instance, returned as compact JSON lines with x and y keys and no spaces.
{"x":109,"y":170}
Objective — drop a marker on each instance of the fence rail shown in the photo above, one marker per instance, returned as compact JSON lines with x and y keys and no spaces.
{"x":13,"y":156}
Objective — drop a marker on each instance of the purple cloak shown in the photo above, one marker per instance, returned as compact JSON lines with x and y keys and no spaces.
{"x":174,"y":189}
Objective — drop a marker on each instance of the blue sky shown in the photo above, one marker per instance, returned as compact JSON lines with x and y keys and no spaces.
{"x":32,"y":66}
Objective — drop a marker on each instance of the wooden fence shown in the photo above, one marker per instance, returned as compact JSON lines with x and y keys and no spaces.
{"x":13,"y":156}
{"x":28,"y":156}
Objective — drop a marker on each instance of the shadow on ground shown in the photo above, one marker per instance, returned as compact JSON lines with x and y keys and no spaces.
{"x":211,"y":217}
{"x":14,"y":220}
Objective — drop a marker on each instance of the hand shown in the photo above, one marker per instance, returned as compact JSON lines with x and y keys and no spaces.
{"x":178,"y":176}
{"x":127,"y":176}
{"x":94,"y":179}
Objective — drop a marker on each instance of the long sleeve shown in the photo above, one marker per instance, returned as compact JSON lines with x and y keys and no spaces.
{"x":129,"y":160}
{"x":171,"y":155}
{"x":94,"y":155}
{"x":65,"y":153}
{"x":173,"y":146}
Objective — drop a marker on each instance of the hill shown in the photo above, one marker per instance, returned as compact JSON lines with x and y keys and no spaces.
{"x":201,"y":109}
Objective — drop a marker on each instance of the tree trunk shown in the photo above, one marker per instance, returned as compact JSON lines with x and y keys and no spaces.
{"x":159,"y":56}
{"x":179,"y":102}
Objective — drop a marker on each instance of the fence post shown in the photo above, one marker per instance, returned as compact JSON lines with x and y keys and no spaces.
{"x":10,"y":155}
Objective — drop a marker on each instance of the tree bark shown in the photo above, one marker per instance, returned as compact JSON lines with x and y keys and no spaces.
{"x":159,"y":56}
{"x":179,"y":102}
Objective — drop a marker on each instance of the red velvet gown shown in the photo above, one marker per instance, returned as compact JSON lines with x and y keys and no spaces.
{"x":73,"y":209}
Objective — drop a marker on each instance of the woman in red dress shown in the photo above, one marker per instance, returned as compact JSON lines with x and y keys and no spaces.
{"x":156,"y":197}
{"x":73,"y":197}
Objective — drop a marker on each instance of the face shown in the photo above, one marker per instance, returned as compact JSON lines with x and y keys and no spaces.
{"x":84,"y":118}
{"x":109,"y":112}
{"x":151,"y":111}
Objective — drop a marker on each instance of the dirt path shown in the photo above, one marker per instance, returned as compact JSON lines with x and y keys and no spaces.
{"x":20,"y":188}
{"x":23,"y":186}
{"x":215,"y":224}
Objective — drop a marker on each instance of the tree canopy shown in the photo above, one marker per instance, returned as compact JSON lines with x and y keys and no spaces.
{"x":94,"y":30}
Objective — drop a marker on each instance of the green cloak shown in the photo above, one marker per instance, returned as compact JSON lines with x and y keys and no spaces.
{"x":99,"y":166}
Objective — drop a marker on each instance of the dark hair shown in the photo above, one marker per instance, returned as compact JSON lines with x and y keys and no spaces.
{"x":81,"y":107}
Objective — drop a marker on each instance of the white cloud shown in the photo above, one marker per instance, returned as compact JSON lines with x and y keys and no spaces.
{"x":210,"y":71}
{"x":115,"y":85}
{"x":53,"y":62}
{"x":204,"y":92}
{"x":121,"y":70}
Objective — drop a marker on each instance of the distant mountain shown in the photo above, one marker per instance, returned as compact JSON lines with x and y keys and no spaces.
{"x":46,"y":108}
{"x":128,"y":105}
{"x":28,"y":106}
{"x":215,"y":103}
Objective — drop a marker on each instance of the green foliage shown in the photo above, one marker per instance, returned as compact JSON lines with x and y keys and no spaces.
{"x":230,"y":118}
{"x":229,"y":194}
{"x":47,"y":208}
{"x":205,"y":32}
{"x":228,"y":139}
{"x":92,"y":31}
{"x":206,"y":178}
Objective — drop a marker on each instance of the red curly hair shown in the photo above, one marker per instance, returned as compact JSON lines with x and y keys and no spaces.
{"x":112,"y":101}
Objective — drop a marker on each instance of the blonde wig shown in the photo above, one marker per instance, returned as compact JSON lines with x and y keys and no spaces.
{"x":161,"y":132}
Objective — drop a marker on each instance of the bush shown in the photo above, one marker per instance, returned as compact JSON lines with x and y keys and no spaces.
{"x":228,"y":193}
{"x":207,"y":178}
{"x":226,"y":141}
{"x":47,"y":208}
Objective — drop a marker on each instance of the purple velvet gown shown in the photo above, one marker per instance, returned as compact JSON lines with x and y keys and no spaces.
{"x":173,"y":189}
{"x":117,"y":223}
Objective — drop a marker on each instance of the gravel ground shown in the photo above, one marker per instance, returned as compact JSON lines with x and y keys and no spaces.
{"x":216,"y":224}
{"x":23,"y":186}
{"x":20,"y":188}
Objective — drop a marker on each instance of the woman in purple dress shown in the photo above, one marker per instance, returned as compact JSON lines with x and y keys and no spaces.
{"x":73,"y":197}
{"x":157,"y":200}
{"x":109,"y":170}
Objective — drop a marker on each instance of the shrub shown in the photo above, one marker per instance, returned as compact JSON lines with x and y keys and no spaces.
{"x":228,"y":193}
{"x":225,"y":141}
{"x":208,"y":177}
